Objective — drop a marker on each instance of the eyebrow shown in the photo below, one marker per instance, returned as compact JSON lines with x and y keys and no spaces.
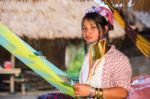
{"x":90,"y":24}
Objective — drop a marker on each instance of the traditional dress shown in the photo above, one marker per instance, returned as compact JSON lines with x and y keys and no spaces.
{"x":113,"y":70}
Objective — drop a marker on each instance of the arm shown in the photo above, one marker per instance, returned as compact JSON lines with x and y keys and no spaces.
{"x":121,"y":76}
{"x":108,"y":93}
{"x":115,"y":93}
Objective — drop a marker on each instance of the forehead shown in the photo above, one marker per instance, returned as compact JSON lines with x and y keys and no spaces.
{"x":88,"y":22}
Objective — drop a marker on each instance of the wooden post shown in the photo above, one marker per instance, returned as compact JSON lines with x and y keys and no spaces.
{"x":13,"y":61}
{"x":12,"y":78}
{"x":12,"y":84}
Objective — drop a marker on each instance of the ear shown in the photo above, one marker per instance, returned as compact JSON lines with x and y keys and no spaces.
{"x":106,"y":27}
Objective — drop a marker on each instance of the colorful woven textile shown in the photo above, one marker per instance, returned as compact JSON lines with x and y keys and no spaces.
{"x":55,"y":96}
{"x":140,"y":88}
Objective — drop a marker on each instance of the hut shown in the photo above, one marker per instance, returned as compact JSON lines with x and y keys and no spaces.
{"x":47,"y":25}
{"x":51,"y":25}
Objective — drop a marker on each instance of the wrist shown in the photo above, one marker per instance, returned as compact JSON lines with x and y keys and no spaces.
{"x":92,"y":92}
{"x":96,"y":92}
{"x":100,"y":93}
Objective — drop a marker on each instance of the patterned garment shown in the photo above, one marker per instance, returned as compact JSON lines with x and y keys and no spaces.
{"x":115,"y":71}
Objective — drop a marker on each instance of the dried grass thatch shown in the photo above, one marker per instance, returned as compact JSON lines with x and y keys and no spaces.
{"x":136,"y":11}
{"x":44,"y":18}
{"x":139,"y":15}
{"x":141,"y":10}
{"x":47,"y":18}
{"x":142,"y":5}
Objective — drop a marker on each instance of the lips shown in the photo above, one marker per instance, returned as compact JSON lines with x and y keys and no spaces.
{"x":87,"y":37}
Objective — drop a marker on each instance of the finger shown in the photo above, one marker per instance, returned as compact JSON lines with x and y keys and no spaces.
{"x":77,"y":94}
{"x":76,"y":87}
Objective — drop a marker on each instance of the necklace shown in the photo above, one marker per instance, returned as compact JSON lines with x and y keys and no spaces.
{"x":97,"y":52}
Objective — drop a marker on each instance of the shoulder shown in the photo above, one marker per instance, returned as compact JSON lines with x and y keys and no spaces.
{"x":86,"y":57}
{"x":116,"y":55}
{"x":118,"y":60}
{"x":86,"y":60}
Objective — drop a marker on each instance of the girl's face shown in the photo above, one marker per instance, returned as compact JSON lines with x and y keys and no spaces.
{"x":90,"y":31}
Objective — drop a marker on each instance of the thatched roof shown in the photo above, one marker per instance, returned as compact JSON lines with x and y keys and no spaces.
{"x":141,"y":5}
{"x":143,"y":17}
{"x":138,"y":11}
{"x":140,"y":14}
{"x":47,"y":18}
{"x":44,"y":18}
{"x":141,"y":10}
{"x":138,"y":5}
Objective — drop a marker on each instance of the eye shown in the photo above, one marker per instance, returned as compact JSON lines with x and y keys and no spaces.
{"x":93,"y":27}
{"x":84,"y":28}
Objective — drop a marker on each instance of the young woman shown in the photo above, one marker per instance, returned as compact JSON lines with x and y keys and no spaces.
{"x":106,"y":72}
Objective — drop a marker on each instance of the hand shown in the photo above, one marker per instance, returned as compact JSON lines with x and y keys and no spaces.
{"x":81,"y":90}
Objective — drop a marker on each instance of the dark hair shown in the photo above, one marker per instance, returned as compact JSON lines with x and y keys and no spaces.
{"x":99,"y":20}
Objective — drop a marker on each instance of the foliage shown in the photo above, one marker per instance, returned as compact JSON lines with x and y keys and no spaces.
{"x":75,"y":62}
